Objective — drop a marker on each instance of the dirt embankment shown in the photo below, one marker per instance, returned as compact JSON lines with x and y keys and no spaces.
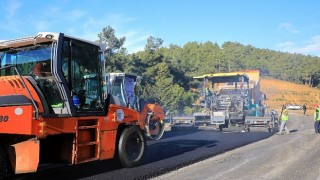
{"x":282,"y":92}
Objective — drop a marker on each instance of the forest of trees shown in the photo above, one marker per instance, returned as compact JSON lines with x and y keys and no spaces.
{"x":168,"y":71}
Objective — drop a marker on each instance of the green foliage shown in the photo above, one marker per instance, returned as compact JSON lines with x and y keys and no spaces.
{"x":153,"y":43}
{"x":162,"y":90}
{"x":188,"y":110}
{"x":107,"y":36}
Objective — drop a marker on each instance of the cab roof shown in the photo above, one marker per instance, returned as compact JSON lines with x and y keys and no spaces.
{"x":224,"y":77}
{"x":39,"y":38}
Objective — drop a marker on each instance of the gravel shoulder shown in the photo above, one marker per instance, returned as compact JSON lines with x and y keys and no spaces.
{"x":292,"y":156}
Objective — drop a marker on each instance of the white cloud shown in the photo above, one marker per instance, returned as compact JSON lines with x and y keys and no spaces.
{"x":12,"y":7}
{"x":313,"y":47}
{"x":119,"y":19}
{"x":285,"y":45}
{"x":288,"y":27}
{"x":135,"y":38}
{"x":52,"y":11}
{"x":9,"y":10}
{"x":75,"y":22}
{"x":55,"y":18}
{"x":75,"y":14}
{"x":310,"y":48}
{"x":42,"y":25}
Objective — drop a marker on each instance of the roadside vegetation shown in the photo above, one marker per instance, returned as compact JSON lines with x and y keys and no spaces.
{"x":168,"y":71}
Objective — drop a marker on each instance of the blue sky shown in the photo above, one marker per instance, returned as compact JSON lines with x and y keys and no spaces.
{"x":281,"y":25}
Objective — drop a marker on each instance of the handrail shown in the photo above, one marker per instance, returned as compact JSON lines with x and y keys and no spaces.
{"x":27,"y":89}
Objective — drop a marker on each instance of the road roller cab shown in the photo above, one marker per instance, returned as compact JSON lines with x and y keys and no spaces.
{"x":55,"y":108}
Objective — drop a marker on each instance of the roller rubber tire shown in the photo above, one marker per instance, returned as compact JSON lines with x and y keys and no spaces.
{"x":131,"y":147}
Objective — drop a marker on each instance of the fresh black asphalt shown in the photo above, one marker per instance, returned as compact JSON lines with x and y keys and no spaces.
{"x":178,"y":148}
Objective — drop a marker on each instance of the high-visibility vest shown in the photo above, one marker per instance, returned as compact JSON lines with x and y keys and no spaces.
{"x":317,"y":115}
{"x":285,"y":115}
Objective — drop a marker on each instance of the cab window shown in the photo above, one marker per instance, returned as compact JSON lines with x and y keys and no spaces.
{"x":81,"y":69}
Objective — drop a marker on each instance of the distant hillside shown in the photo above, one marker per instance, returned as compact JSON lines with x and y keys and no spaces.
{"x":282,"y":92}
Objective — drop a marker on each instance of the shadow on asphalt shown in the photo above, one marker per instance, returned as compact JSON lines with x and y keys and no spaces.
{"x":73,"y":171}
{"x":156,"y":151}
{"x":294,"y":130}
{"x":181,"y":132}
{"x":160,"y":151}
{"x":174,"y":150}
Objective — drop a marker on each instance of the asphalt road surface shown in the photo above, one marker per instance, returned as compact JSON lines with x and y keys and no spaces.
{"x":295,"y":156}
{"x":178,"y":148}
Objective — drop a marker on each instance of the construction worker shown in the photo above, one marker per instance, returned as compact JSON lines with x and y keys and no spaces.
{"x":284,"y":119}
{"x":304,"y":108}
{"x":316,"y":119}
{"x":208,"y":92}
{"x":42,"y":69}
